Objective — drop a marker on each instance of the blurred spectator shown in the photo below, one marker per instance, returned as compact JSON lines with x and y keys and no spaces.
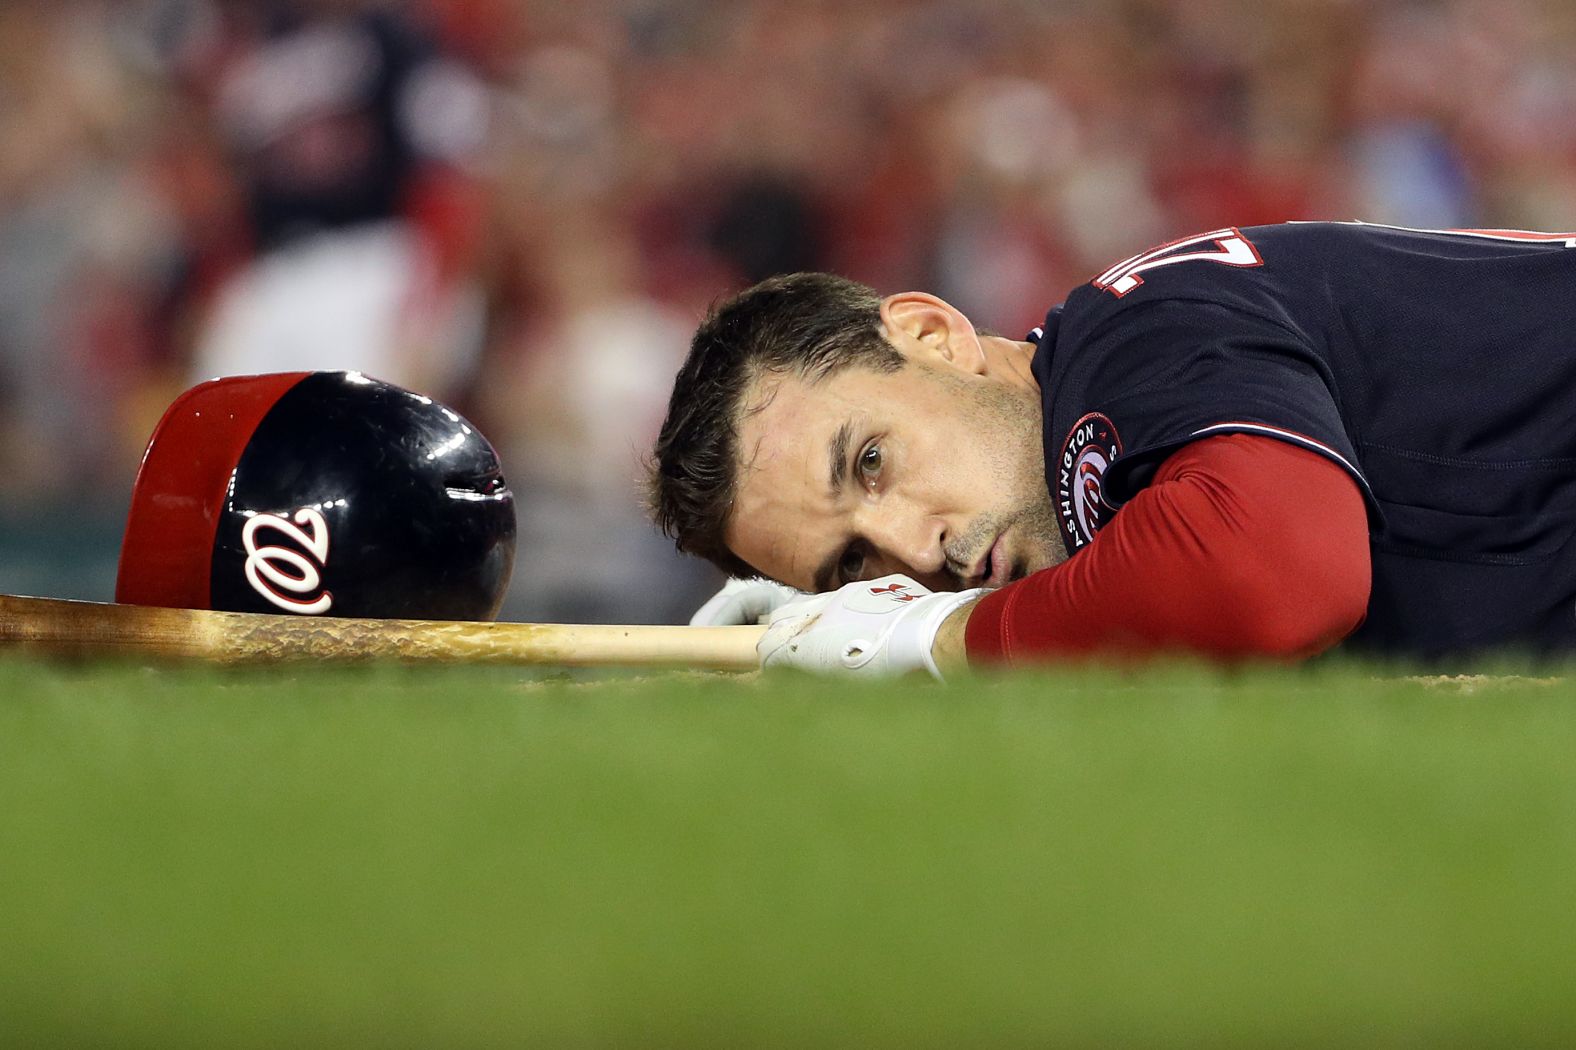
{"x":523,"y":207}
{"x":349,"y":132}
{"x":86,"y":241}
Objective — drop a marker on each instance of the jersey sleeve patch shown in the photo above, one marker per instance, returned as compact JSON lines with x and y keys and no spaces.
{"x":1088,"y":452}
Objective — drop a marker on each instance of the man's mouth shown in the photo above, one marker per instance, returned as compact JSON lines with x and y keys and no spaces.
{"x":998,"y":564}
{"x":995,"y":568}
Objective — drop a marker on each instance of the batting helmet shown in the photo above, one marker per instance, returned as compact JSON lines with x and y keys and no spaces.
{"x":314,"y":493}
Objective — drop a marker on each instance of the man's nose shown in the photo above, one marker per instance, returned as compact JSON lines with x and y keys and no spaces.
{"x":910,"y":542}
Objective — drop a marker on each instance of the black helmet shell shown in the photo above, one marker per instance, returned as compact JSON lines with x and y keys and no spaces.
{"x":348,"y":497}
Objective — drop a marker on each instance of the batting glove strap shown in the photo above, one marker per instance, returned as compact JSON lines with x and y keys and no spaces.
{"x":878,"y":627}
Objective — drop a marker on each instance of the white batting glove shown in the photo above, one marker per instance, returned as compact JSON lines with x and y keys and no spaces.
{"x":872,"y":627}
{"x":744,"y":601}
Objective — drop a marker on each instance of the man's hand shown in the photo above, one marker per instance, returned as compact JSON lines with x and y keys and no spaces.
{"x":749,"y":600}
{"x":873,"y":627}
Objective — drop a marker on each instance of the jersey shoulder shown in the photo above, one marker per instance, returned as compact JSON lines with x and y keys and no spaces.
{"x":1254,"y":270}
{"x":1284,"y":273}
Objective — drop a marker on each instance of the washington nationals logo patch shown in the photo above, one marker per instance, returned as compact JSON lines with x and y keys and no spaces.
{"x":285,"y":575}
{"x":1090,"y":448}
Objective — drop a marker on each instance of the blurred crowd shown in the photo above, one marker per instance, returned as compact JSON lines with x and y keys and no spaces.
{"x":522,"y":207}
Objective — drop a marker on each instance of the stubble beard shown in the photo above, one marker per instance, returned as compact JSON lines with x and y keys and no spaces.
{"x":1014,"y":416}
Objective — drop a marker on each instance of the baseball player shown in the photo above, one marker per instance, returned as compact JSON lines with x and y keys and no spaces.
{"x":1252,"y":443}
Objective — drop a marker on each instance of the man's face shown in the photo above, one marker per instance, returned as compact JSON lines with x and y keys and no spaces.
{"x":932,"y":471}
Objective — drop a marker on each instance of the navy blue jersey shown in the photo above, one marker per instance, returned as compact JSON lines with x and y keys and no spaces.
{"x":1437,"y":368}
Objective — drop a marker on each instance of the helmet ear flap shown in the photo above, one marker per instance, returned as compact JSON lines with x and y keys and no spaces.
{"x":345,"y":496}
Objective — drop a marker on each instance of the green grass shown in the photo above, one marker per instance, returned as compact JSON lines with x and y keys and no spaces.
{"x":1169,"y":858}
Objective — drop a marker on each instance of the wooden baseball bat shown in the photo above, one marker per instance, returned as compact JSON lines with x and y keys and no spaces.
{"x":89,"y":630}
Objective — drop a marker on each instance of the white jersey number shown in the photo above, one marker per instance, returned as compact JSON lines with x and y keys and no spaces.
{"x":1226,"y":246}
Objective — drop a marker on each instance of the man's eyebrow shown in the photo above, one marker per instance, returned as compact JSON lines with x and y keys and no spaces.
{"x":837,"y":455}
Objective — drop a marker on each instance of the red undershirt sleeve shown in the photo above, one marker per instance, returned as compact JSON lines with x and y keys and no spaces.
{"x":1242,"y":546}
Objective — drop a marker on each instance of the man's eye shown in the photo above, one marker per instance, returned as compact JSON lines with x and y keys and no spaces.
{"x":852,"y":564}
{"x":870,"y":462}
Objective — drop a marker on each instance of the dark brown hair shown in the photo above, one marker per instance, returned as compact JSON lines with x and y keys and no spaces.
{"x":805,"y":324}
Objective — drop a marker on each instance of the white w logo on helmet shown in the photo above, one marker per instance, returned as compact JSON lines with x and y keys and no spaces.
{"x":263,"y":564}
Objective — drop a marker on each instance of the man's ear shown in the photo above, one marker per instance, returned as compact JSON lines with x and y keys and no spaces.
{"x":926,"y":328}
